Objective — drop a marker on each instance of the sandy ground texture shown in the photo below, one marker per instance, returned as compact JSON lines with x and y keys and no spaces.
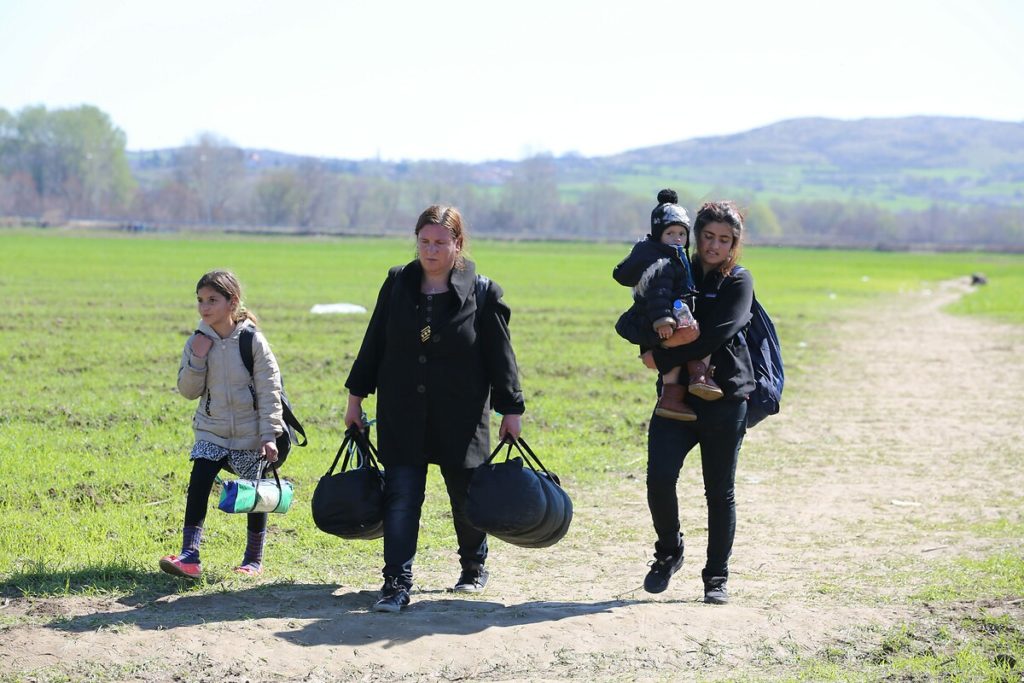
{"x":899,"y":441}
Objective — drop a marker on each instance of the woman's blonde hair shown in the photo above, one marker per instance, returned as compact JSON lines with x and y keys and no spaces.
{"x":227,"y":285}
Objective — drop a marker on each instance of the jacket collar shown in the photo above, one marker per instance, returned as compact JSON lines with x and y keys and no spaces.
{"x":212,"y":334}
{"x":663,"y":249}
{"x":706,"y":281}
{"x":462,"y":282}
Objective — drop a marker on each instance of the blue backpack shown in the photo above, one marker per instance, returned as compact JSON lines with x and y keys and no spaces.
{"x":766,"y":355}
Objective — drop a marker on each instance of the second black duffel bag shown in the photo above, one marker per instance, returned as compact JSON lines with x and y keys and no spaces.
{"x":518,"y":500}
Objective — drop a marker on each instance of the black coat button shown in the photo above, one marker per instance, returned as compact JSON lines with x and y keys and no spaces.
{"x":423,"y":359}
{"x":437,"y":338}
{"x":421,"y":389}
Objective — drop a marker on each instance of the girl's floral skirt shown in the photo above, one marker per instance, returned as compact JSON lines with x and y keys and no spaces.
{"x":246,"y":464}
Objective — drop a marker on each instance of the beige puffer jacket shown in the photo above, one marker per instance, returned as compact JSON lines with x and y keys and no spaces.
{"x":235,"y":410}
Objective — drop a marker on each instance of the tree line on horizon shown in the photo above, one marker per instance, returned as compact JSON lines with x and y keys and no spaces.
{"x":71,"y":164}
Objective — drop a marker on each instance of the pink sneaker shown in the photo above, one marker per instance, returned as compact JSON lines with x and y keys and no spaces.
{"x":249,"y":570}
{"x":172,"y":565}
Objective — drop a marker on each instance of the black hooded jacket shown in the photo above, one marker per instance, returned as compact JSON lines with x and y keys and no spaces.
{"x":658,"y":275}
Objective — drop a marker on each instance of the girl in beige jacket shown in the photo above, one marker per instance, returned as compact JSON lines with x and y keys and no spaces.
{"x":237,"y":417}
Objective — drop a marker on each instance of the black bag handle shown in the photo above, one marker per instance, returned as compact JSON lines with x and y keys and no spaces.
{"x":497,"y":448}
{"x":356,"y":442}
{"x":346,"y":443}
{"x":528,"y":456}
{"x":520,"y":442}
{"x":366,"y":451}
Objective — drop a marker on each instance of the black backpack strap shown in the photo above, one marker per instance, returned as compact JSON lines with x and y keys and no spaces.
{"x":483,"y":283}
{"x":293,"y":422}
{"x":245,"y":342}
{"x":246,"y":339}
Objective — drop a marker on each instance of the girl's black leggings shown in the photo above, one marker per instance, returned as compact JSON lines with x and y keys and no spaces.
{"x":200,"y":483}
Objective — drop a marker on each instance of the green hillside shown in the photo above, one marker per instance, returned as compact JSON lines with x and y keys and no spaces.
{"x":907,"y":163}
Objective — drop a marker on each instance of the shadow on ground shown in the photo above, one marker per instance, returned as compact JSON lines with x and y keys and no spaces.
{"x":352,"y":624}
{"x":330,"y":617}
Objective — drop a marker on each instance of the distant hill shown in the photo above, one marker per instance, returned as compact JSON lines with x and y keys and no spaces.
{"x":862,"y":145}
{"x":900,"y":163}
{"x":905,"y":163}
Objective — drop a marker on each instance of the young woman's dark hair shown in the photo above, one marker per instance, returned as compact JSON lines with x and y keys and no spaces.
{"x":727,"y":213}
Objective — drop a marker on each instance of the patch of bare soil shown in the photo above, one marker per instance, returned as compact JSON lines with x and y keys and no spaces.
{"x":905,"y":434}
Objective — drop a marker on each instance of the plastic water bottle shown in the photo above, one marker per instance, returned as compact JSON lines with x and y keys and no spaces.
{"x":684,"y":318}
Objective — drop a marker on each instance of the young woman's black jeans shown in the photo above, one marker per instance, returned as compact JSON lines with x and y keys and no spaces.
{"x":404,"y":487}
{"x":719,"y":430}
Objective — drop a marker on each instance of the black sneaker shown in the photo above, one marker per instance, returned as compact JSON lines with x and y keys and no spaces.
{"x":471,"y":581}
{"x":715,"y":592}
{"x":393,"y":597}
{"x":662,"y":569}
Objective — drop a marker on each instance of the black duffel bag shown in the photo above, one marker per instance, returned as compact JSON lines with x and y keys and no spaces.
{"x":524,"y":506}
{"x":350,"y":503}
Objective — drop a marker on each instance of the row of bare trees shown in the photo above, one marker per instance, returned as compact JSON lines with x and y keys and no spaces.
{"x":215,"y":183}
{"x":72,"y":163}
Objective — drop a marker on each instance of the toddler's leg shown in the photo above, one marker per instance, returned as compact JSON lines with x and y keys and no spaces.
{"x":672,"y":404}
{"x":700,"y":383}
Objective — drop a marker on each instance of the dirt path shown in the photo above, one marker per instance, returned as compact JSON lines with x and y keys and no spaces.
{"x":901,"y":439}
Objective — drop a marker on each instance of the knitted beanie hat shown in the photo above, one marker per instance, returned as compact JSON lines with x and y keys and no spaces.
{"x":667,"y":213}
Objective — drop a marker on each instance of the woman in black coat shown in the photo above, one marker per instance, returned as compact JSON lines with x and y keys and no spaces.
{"x":438,"y":353}
{"x":725,"y":293}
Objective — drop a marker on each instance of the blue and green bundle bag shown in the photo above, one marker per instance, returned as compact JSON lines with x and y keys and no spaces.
{"x":256,"y":495}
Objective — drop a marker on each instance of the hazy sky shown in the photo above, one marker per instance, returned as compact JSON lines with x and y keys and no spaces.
{"x":473,"y":80}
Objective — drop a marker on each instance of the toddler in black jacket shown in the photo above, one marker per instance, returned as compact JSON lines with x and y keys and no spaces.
{"x":658,"y":270}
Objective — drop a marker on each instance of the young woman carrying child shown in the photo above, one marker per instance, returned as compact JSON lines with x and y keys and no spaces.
{"x":658,"y":270}
{"x":724,"y":297}
{"x":236,"y":420}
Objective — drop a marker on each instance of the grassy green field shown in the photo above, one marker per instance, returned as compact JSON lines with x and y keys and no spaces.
{"x":95,"y":437}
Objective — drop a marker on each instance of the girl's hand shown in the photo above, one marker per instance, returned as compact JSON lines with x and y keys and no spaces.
{"x":665,"y":331}
{"x":270,"y":451}
{"x":354,"y":413}
{"x":682,"y":335}
{"x":648,"y":358}
{"x":511,"y":427}
{"x":201,"y":345}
